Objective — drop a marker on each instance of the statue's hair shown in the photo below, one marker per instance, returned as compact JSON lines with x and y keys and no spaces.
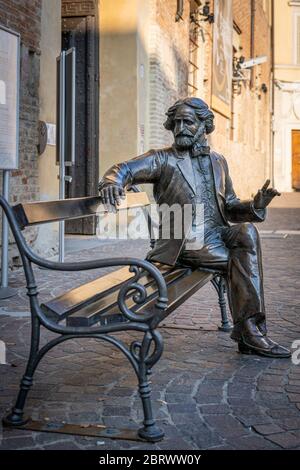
{"x":201,"y":109}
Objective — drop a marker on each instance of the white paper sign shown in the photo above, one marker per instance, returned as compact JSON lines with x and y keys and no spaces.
{"x":51,"y":133}
{"x":9,"y":99}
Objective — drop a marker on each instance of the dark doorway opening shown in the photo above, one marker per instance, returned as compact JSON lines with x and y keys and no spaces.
{"x":80,"y":30}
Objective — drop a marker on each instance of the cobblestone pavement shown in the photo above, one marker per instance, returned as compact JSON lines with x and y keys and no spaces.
{"x":205,"y":394}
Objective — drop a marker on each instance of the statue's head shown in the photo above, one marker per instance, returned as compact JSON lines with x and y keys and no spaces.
{"x":190,"y":120}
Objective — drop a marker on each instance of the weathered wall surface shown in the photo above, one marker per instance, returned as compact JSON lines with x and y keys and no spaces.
{"x":118,"y":81}
{"x":244,"y":139}
{"x":38,"y":23}
{"x":287,"y":89}
{"x":47,"y":237}
{"x":25,"y":18}
{"x":168,"y":66}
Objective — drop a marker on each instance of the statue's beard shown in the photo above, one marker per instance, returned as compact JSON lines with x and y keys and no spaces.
{"x":184,"y":142}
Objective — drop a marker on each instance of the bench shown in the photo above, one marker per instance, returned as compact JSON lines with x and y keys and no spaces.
{"x":136,"y":297}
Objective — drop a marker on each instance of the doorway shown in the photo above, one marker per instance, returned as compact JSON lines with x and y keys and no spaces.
{"x":296,"y":159}
{"x":80,"y":30}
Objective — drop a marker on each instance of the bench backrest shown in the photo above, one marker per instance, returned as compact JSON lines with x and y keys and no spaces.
{"x":34,"y":213}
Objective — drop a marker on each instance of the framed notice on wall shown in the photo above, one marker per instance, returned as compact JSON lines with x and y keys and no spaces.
{"x":9,"y":99}
{"x":222,"y":57}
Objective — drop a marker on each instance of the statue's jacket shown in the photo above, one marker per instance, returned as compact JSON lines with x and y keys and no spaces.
{"x":171,"y":173}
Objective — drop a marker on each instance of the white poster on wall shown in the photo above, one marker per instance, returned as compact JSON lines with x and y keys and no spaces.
{"x":222,"y":57}
{"x":9,"y":99}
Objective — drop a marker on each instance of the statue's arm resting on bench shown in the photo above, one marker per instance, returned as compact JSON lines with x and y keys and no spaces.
{"x":145,"y":168}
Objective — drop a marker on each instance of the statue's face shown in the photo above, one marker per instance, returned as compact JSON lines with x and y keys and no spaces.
{"x":186,"y":126}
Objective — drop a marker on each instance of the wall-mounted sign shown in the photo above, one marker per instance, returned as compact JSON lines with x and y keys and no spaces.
{"x":222,"y":57}
{"x":9,"y":99}
{"x":51,"y":133}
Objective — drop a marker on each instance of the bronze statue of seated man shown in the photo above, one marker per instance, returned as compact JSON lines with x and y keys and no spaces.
{"x":189,"y":173}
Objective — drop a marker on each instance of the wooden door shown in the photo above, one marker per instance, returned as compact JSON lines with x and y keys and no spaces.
{"x":296,"y":159}
{"x":80,"y":30}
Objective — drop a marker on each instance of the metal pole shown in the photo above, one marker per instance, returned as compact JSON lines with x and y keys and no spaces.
{"x":4,"y":264}
{"x":62,"y":110}
{"x":5,"y":291}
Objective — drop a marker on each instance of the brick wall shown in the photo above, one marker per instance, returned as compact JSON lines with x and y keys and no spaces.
{"x":25,"y":18}
{"x":244,"y":139}
{"x":168,"y":66}
{"x":246,"y":146}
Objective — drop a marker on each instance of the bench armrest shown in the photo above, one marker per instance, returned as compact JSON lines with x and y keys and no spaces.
{"x":137,"y":266}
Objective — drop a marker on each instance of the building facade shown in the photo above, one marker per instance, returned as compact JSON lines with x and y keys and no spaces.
{"x":38,"y":24}
{"x":171,"y":57}
{"x":134,"y":59}
{"x":286,"y":126}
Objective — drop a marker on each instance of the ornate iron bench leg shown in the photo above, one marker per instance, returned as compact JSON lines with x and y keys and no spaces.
{"x":150,"y":431}
{"x":220,"y":285}
{"x":15,"y":417}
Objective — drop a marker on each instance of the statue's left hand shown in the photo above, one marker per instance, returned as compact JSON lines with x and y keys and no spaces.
{"x":264,"y":196}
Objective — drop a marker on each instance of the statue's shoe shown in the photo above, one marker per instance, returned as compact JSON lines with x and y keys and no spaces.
{"x":275,"y":351}
{"x":252,"y":341}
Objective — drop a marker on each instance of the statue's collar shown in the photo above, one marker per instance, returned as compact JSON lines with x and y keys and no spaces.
{"x":196,"y":151}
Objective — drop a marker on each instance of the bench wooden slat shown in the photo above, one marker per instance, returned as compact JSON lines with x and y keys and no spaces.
{"x":59,"y":308}
{"x":180,"y":287}
{"x":42,"y":212}
{"x":180,"y":291}
{"x":107,"y":306}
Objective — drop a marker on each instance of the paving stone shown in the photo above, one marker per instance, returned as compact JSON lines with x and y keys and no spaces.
{"x":286,"y":440}
{"x":225,"y":425}
{"x":294,"y":397}
{"x":292,"y":388}
{"x":206,"y":399}
{"x":16,"y":443}
{"x":63,"y":445}
{"x":290,"y":423}
{"x":176,"y":443}
{"x":182,"y":408}
{"x":251,"y":420}
{"x":252,"y":443}
{"x":188,"y":419}
{"x":284,"y":412}
{"x":270,"y":388}
{"x":266,"y":429}
{"x":200,"y":436}
{"x":215,"y":409}
{"x":116,"y":410}
{"x":177,"y":398}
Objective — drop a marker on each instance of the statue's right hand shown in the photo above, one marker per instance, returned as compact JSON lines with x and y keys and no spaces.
{"x":111,"y":195}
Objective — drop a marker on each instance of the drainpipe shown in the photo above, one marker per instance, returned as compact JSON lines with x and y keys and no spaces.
{"x":273,"y":96}
{"x":179,"y":10}
{"x":252,"y":38}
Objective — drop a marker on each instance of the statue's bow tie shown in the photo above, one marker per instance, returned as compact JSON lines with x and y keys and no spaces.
{"x":200,"y":150}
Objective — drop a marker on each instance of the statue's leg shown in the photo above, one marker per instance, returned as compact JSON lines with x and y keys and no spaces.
{"x":246,"y":292}
{"x":245,"y":275}
{"x":214,"y":256}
